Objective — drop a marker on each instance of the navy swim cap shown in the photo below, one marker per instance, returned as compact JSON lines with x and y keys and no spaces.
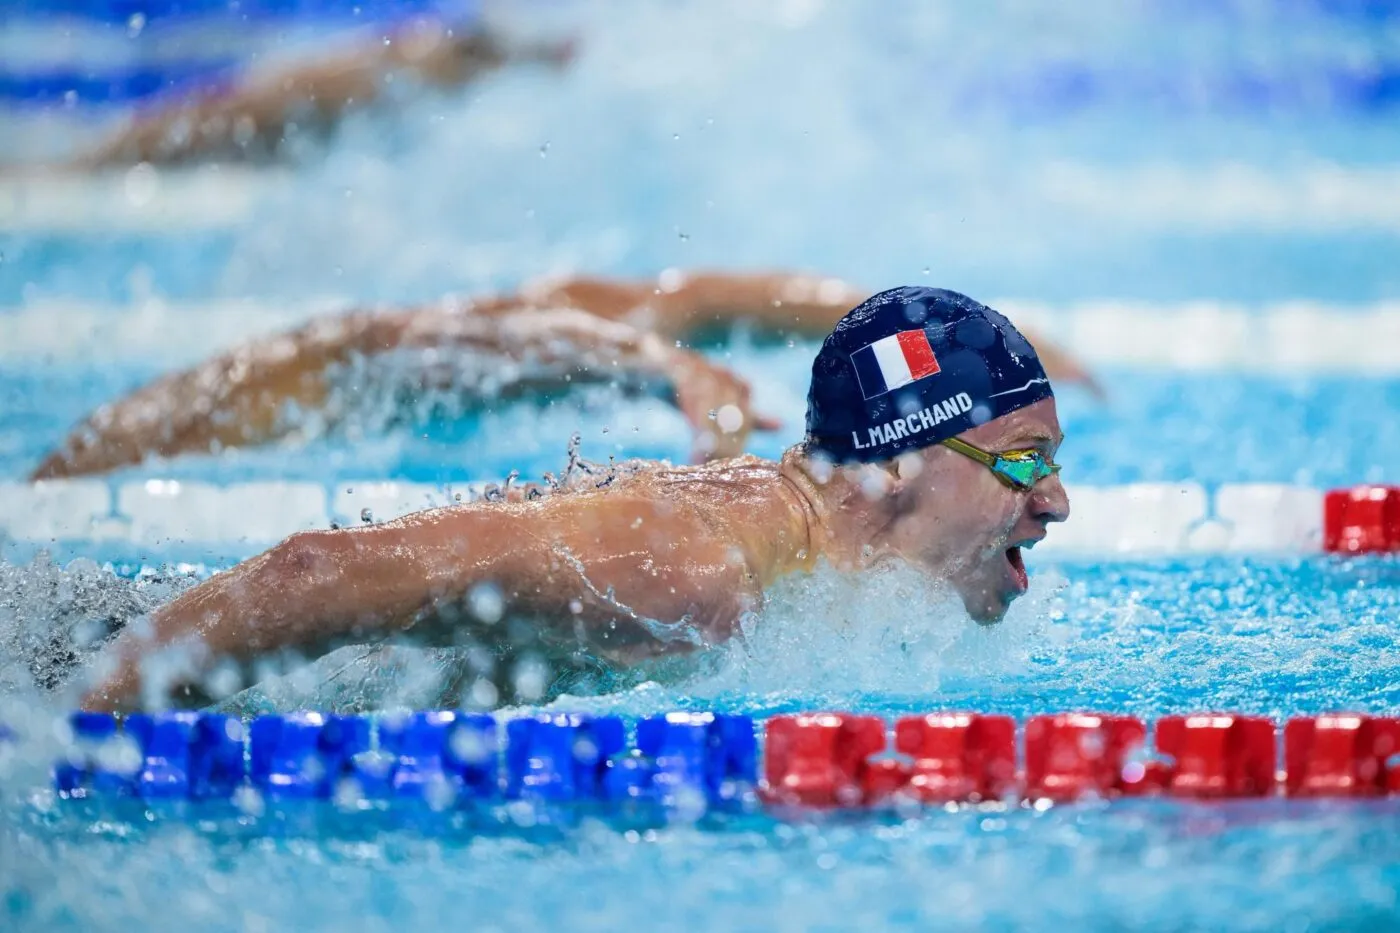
{"x":911,"y":367}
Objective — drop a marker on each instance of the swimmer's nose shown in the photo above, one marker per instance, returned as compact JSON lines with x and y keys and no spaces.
{"x":1049,"y":501}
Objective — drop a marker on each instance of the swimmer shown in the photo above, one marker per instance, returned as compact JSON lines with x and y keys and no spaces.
{"x":931,"y":437}
{"x":264,"y":390}
{"x":573,"y":328}
{"x":255,"y":116}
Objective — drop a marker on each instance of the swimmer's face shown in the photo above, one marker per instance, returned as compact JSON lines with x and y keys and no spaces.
{"x":958,"y":520}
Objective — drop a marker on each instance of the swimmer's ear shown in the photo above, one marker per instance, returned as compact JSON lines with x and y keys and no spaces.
{"x":907,"y":466}
{"x":902,"y":471}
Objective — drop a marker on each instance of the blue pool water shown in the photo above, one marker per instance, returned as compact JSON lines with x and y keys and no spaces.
{"x":1131,"y":152}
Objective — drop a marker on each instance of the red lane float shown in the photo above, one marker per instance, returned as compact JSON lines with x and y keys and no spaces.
{"x":1363,"y":519}
{"x":820,"y":759}
{"x":839,"y":760}
{"x":1341,"y":755}
{"x":1218,"y":755}
{"x":1072,"y":755}
{"x":958,"y":756}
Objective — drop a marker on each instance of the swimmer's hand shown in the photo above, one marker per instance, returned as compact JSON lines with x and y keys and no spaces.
{"x":716,"y":402}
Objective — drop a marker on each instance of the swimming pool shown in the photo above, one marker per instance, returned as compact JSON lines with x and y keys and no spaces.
{"x":1129,"y":174}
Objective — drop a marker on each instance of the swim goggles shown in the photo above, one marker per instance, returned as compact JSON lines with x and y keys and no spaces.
{"x":1019,"y":469}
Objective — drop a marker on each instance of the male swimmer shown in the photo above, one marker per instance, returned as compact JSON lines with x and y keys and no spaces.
{"x":575,"y":330}
{"x":931,"y":433}
{"x":253,"y":117}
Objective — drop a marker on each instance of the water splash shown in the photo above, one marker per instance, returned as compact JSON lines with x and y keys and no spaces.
{"x":54,"y":619}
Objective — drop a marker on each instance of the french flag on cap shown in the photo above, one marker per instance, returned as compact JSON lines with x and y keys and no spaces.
{"x":894,"y":361}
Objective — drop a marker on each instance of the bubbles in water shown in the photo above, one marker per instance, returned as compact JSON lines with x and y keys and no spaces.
{"x":248,"y":801}
{"x":483,"y":694}
{"x":530,"y":678}
{"x":142,"y":184}
{"x":486,"y":602}
{"x":729,"y":419}
{"x":54,"y":619}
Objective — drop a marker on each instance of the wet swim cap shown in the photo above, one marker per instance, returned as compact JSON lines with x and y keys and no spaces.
{"x":913,"y":366}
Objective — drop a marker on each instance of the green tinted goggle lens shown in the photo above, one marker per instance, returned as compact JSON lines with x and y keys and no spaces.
{"x":1020,"y":469}
{"x":1024,"y":469}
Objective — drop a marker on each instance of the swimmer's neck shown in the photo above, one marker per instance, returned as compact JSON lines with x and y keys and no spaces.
{"x":837,"y":515}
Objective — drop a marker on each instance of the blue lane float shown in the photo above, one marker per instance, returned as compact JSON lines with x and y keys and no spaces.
{"x":690,"y":761}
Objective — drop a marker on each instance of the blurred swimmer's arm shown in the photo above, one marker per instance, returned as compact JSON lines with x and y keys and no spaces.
{"x":565,"y":346}
{"x":246,"y":396}
{"x":792,"y":305}
{"x":257,"y":113}
{"x":621,"y":575}
{"x":274,"y":387}
{"x":682,"y":304}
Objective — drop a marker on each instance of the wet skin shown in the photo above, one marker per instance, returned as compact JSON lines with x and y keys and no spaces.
{"x":625,"y":566}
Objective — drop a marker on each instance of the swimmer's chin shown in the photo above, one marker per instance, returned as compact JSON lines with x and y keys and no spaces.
{"x":988,"y":614}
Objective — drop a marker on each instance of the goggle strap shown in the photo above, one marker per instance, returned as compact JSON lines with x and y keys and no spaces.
{"x":967,"y":450}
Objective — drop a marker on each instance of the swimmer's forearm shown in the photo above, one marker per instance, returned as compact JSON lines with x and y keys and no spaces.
{"x":312,"y":591}
{"x":791,"y":303}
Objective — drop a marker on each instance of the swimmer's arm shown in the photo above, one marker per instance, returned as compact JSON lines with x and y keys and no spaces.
{"x":612,"y":574}
{"x":272,"y":387}
{"x":243,"y":397}
{"x":795,"y":305}
{"x":682,"y":304}
{"x":262,"y":107}
{"x":562,"y":346}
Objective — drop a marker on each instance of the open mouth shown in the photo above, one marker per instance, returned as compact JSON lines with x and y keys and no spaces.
{"x":1018,"y":568}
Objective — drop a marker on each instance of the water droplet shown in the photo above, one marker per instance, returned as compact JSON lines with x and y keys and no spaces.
{"x":135,"y":24}
{"x":367,"y":516}
{"x":684,"y":236}
{"x":484,"y":694}
{"x":486,"y":602}
{"x":544,"y":150}
{"x":531,"y":677}
{"x":676,"y":137}
{"x":248,"y":801}
{"x":925,"y":270}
